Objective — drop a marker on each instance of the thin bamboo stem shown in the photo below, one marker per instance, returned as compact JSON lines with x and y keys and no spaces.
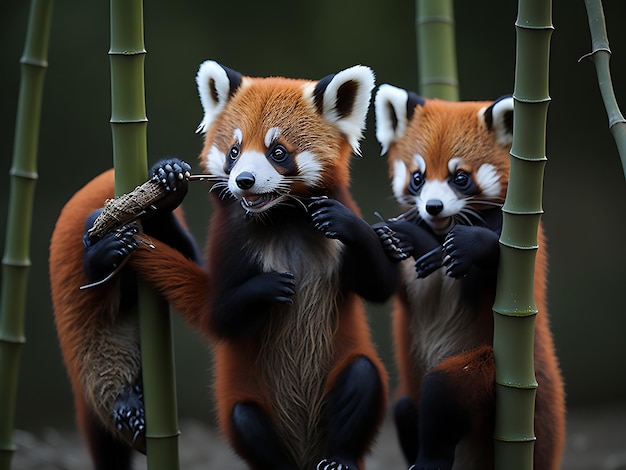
{"x":436,"y":57}
{"x":601,"y":56}
{"x":16,"y":260}
{"x":128,"y":126}
{"x":514,"y":307}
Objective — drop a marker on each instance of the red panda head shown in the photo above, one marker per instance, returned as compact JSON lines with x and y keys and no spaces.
{"x":447,"y":160}
{"x":270,"y":140}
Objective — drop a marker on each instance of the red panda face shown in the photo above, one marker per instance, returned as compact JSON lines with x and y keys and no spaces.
{"x":448,"y":161}
{"x":271,"y":141}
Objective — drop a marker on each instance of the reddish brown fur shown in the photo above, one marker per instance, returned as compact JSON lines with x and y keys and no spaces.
{"x":81,"y":316}
{"x":440,"y":131}
{"x":188,"y":287}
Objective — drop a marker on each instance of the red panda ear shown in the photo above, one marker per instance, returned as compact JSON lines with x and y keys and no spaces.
{"x":499,"y":118}
{"x":216,"y":84}
{"x":343,"y":100}
{"x":394,"y":109}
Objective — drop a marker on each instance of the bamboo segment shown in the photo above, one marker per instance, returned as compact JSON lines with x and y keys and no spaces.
{"x":128,"y":126}
{"x":601,"y":56}
{"x":436,"y":48}
{"x":514,"y":306}
{"x":16,"y":260}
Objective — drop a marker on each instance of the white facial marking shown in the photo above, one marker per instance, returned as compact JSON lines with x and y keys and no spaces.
{"x":267,"y":179}
{"x":271,"y":136}
{"x":419,"y":162}
{"x":215,"y":161}
{"x":310,"y":168}
{"x":453,"y":165}
{"x":488,"y":180}
{"x":452,"y":205}
{"x":238,"y":135}
{"x":398,"y":181}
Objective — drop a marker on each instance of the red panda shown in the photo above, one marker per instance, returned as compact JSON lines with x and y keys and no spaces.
{"x":98,"y":327}
{"x":449,"y":167}
{"x":298,"y":382}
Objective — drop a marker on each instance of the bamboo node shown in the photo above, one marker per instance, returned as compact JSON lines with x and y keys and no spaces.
{"x":41,"y":63}
{"x":590,"y":55}
{"x":435,"y":19}
{"x":28,"y":175}
{"x":440,"y":81}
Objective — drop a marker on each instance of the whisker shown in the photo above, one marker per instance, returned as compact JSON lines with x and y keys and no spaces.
{"x":462,"y":219}
{"x":412,"y":211}
{"x":298,"y":200}
{"x":205,"y":177}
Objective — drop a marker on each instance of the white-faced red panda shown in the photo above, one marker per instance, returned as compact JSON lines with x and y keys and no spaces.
{"x":449,"y":167}
{"x":298,"y":382}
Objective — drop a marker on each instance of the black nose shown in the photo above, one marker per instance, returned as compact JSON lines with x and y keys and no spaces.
{"x":245,"y":180}
{"x":434,"y":206}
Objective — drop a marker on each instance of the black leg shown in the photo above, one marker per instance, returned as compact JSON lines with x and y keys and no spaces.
{"x":353,"y":411}
{"x":261,"y":445}
{"x":442,"y":423}
{"x":107,"y":451}
{"x":405,"y":417}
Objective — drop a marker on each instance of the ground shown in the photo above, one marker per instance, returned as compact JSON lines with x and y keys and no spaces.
{"x":596,"y":441}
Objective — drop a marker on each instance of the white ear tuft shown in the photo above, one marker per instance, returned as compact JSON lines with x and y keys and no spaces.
{"x":343,"y":100}
{"x":499,"y":118}
{"x":215,"y":85}
{"x":390,"y":106}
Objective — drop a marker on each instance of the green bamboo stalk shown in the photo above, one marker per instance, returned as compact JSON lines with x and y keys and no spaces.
{"x":514,"y":307}
{"x":600,"y":55}
{"x":128,"y":126}
{"x":436,"y":56}
{"x":16,"y":260}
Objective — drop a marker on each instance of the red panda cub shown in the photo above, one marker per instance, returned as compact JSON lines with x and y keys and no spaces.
{"x":449,"y":167}
{"x":298,"y":382}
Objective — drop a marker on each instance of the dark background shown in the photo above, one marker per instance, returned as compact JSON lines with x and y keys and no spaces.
{"x":584,"y":190}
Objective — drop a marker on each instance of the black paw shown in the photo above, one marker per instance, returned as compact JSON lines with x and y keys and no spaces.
{"x":429,"y":262}
{"x":173,"y":174}
{"x":276,"y":287}
{"x":466,"y":246}
{"x":108,"y":254}
{"x":329,"y":464}
{"x":333,"y":219}
{"x":395,"y":247}
{"x":129,"y":416}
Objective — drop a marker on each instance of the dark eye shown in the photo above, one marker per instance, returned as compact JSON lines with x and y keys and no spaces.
{"x":463,"y":182}
{"x":417,"y":181}
{"x":233,"y":153}
{"x":279,"y":153}
{"x":461,"y":179}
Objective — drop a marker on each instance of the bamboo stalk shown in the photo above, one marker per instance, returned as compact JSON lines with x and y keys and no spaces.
{"x":601,"y":56}
{"x":16,"y":260}
{"x":514,"y":307}
{"x":436,"y":57}
{"x":128,"y":126}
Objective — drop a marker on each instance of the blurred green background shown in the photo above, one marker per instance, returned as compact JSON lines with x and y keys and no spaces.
{"x":584,"y":195}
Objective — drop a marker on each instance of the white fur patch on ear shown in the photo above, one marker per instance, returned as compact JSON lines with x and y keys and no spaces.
{"x":390,"y":106}
{"x":346,"y":100}
{"x":214,"y":90}
{"x":503,"y":121}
